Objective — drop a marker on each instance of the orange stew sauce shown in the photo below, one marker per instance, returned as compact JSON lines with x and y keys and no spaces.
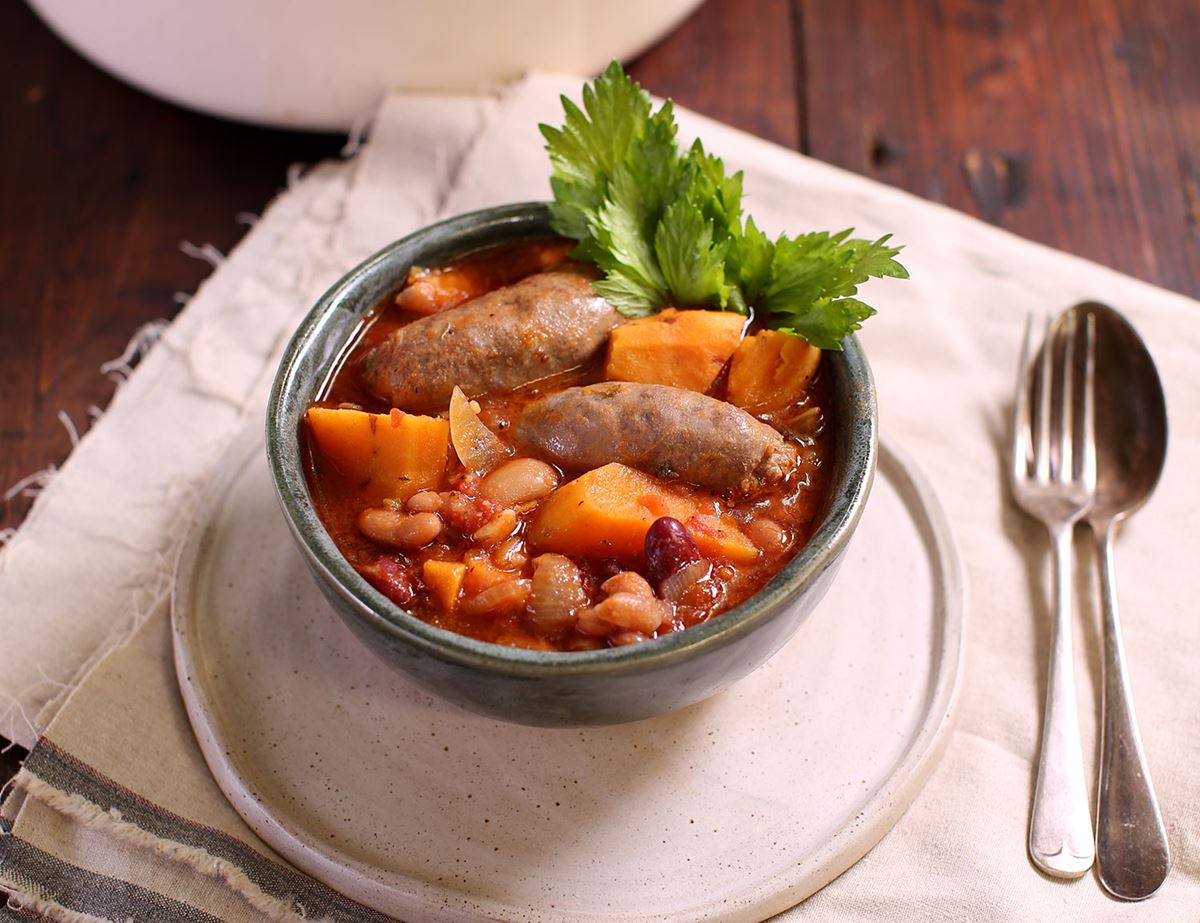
{"x":777,"y":519}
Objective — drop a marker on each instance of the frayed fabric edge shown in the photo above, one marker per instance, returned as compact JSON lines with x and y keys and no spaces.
{"x":41,"y":908}
{"x":119,"y":369}
{"x":144,"y":339}
{"x":93,"y":816}
{"x":147,"y":336}
{"x":140,"y":345}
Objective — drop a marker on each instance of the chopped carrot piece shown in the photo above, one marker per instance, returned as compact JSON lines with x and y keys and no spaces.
{"x":482,"y":574}
{"x":445,"y":581}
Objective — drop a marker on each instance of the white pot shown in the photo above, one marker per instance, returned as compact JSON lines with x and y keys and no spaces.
{"x":320,"y":64}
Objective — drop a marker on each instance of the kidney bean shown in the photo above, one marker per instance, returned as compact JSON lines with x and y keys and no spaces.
{"x":669,"y":548}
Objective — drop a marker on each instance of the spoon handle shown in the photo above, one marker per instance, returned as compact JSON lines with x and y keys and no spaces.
{"x":1060,"y":832}
{"x":1131,"y":841}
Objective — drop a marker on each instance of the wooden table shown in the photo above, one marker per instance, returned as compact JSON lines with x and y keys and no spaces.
{"x":1072,"y":123}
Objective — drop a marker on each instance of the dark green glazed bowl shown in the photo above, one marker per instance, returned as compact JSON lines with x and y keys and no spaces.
{"x":537,"y":687}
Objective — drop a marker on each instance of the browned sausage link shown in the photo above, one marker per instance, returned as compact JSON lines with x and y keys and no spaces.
{"x":547,"y":323}
{"x":659,"y":429}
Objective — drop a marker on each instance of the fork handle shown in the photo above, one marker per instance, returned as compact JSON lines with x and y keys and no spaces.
{"x":1131,"y":841}
{"x":1060,"y":833}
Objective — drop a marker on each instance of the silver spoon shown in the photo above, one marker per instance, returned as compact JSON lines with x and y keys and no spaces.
{"x":1132,"y":856}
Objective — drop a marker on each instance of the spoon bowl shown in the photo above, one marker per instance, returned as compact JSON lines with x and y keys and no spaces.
{"x":1132,"y":853}
{"x":1131,"y":416}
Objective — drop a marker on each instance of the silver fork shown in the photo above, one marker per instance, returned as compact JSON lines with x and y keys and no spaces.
{"x":1054,"y":480}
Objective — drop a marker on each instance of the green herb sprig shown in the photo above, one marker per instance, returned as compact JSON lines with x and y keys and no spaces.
{"x":666,"y":226}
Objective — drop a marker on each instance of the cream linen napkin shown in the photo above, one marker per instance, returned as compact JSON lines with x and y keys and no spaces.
{"x":115,"y":816}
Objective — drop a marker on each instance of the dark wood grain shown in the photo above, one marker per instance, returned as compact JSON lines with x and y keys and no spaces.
{"x":10,"y":762}
{"x":1075,"y":124}
{"x":736,"y":62}
{"x":99,"y":184}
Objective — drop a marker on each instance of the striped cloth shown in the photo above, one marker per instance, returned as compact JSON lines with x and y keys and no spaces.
{"x":139,"y":834}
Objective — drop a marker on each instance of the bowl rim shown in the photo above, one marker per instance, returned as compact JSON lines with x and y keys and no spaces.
{"x":853,"y":474}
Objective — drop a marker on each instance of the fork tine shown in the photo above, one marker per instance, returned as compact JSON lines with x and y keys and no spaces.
{"x":1066,"y":407}
{"x":1041,"y":440}
{"x":1087,"y":462}
{"x":1021,"y":411}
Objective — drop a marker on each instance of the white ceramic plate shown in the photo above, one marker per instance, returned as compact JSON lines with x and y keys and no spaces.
{"x":735,"y":808}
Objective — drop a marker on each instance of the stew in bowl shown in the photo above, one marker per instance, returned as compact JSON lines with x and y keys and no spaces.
{"x":505,"y":456}
{"x":585,"y":461}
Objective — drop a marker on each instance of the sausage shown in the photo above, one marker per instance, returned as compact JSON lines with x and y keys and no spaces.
{"x":547,"y":323}
{"x":659,"y":429}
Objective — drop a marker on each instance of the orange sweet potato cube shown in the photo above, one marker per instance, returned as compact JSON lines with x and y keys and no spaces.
{"x":684,"y":349}
{"x":606,"y":513}
{"x":445,"y":580}
{"x":771,"y":370}
{"x":384,"y":454}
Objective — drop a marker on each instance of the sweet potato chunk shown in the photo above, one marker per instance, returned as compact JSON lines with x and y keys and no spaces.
{"x":445,"y":580}
{"x":684,"y":349}
{"x":387,"y":455}
{"x":606,"y":513}
{"x":482,"y":575}
{"x":771,"y":370}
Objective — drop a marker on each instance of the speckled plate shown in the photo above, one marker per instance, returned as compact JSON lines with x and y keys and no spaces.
{"x":735,"y":808}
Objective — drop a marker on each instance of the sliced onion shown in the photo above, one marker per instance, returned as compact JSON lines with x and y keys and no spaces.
{"x":557,"y":593}
{"x":509,"y":596}
{"x":478,"y":448}
{"x":799,"y":422}
{"x":675,"y":586}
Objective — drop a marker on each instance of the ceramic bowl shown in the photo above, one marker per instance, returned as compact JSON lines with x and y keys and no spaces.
{"x":538,"y":687}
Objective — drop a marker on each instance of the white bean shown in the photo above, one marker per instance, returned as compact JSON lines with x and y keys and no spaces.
{"x":425,"y":501}
{"x":630,"y":606}
{"x":497,"y":529}
{"x":407,"y":531}
{"x":519,"y":481}
{"x":628,"y":581}
{"x":766,"y":534}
